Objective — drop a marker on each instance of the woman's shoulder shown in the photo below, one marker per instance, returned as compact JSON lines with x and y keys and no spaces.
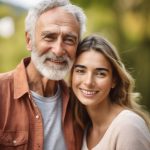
{"x":131,"y":127}
{"x":131,"y":118}
{"x":131,"y":124}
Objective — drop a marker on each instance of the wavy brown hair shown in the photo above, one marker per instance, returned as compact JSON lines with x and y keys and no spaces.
{"x":122,"y":94}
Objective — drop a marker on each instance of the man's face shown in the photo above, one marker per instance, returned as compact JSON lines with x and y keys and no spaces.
{"x":55,"y":43}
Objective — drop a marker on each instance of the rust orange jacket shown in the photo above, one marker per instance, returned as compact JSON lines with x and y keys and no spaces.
{"x":21,"y":125}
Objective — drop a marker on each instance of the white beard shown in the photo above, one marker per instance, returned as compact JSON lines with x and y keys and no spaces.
{"x":51,"y":71}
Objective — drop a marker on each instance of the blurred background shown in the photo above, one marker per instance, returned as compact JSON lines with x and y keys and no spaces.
{"x":126,"y":23}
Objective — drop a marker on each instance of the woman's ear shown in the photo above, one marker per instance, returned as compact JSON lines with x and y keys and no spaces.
{"x":28,"y":41}
{"x":113,"y":83}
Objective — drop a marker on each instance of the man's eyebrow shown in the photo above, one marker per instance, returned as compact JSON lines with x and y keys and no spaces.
{"x":44,"y":33}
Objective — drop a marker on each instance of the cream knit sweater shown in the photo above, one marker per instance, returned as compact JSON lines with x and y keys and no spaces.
{"x":127,"y":131}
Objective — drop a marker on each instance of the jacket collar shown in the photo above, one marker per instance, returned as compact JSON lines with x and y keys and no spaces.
{"x":65,"y":97}
{"x":21,"y":86}
{"x":20,"y":79}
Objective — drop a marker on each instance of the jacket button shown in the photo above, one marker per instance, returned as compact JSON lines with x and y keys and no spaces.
{"x":37,"y":116}
{"x":14,"y":141}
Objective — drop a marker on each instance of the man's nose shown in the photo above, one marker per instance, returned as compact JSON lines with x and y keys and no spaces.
{"x":58,"y":48}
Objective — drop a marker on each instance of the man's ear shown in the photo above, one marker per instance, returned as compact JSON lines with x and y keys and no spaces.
{"x":28,"y":41}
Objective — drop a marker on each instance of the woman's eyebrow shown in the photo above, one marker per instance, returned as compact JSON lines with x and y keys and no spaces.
{"x":98,"y":69}
{"x":102,"y":69}
{"x":79,"y":66}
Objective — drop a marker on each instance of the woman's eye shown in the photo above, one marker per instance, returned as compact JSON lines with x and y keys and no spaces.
{"x":101,"y":74}
{"x":80,"y":71}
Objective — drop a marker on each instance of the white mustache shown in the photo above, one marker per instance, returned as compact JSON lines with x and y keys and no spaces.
{"x":52,"y":56}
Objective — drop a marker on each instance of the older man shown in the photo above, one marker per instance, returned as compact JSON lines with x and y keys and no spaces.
{"x":34,"y":101}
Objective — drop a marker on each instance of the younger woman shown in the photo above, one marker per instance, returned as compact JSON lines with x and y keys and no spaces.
{"x":105,"y":104}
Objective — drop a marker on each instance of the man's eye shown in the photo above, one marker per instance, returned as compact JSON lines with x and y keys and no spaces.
{"x":69,"y":41}
{"x":47,"y":38}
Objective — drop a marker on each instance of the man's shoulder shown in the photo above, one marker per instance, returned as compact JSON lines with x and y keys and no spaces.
{"x":6,"y":80}
{"x":6,"y":76}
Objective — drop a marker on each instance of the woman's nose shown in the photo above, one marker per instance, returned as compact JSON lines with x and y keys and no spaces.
{"x":89,"y":80}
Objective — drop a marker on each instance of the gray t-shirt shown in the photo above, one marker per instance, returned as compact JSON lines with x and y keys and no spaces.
{"x":51,"y":110}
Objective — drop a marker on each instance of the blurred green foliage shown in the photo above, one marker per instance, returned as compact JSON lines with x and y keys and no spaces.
{"x":124,"y":23}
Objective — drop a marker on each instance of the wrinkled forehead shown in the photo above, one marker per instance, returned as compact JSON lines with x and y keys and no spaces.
{"x":59,"y":16}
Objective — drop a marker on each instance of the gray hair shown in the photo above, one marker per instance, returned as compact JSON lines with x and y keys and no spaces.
{"x":45,"y":5}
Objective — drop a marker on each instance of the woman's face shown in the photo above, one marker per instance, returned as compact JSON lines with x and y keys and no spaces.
{"x":92,"y":78}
